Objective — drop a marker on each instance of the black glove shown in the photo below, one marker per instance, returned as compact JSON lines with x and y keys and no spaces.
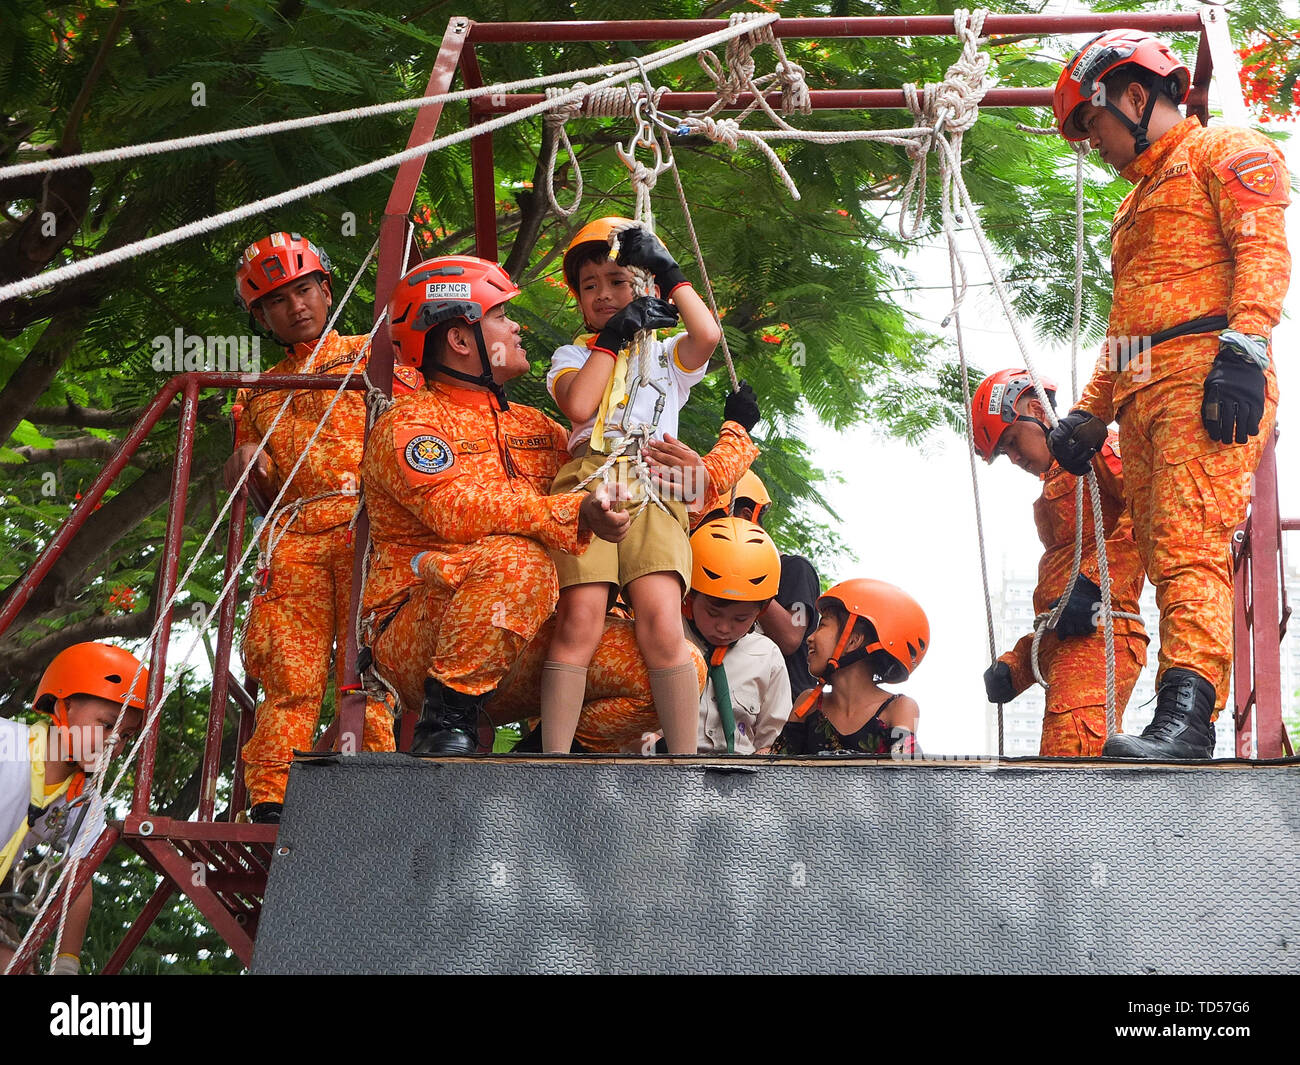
{"x":1075,"y":440}
{"x":1082,"y":611}
{"x":637,"y":247}
{"x":998,"y":685}
{"x":1234,"y":395}
{"x":644,"y":312}
{"x":742,"y":407}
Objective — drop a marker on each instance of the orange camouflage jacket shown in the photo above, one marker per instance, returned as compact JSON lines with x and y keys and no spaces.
{"x":445,"y":467}
{"x":333,"y":463}
{"x":1201,"y":234}
{"x":1054,"y":515}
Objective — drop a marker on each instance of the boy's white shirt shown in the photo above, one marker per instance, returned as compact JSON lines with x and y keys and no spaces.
{"x":760,"y":696}
{"x":678,"y":382}
{"x":16,"y":794}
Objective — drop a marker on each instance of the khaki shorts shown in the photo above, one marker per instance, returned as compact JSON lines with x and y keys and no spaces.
{"x":656,"y":542}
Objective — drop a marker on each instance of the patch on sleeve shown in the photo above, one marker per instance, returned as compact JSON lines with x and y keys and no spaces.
{"x":406,"y":379}
{"x":1110,"y":453}
{"x":1254,"y":177}
{"x":424,"y":457}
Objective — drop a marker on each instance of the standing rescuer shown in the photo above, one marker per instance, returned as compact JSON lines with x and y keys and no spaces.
{"x":1200,"y":265}
{"x":1008,"y":419}
{"x":300,"y":610}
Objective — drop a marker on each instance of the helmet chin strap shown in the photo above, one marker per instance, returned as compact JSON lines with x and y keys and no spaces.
{"x":484,"y":377}
{"x":1141,"y":132}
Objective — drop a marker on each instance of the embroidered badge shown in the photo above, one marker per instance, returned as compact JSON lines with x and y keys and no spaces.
{"x":1253,"y":177}
{"x":1255,"y":170}
{"x":428,"y":455}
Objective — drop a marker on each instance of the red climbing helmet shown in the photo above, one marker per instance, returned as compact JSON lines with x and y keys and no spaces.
{"x":436,"y":290}
{"x":1081,"y":79}
{"x":902,"y":629}
{"x":993,"y":407}
{"x":275,"y":260}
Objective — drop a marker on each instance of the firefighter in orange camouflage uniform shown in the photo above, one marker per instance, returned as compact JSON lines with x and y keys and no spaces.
{"x":299,"y":611}
{"x":1200,"y":265}
{"x":457,"y":481}
{"x":456,"y":485}
{"x":1008,"y":419}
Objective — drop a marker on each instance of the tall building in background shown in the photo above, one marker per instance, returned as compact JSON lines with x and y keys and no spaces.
{"x":1013,"y":616}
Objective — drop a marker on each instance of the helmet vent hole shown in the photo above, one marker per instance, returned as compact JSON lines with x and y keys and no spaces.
{"x":911,"y":650}
{"x":710,"y":574}
{"x":113,"y":678}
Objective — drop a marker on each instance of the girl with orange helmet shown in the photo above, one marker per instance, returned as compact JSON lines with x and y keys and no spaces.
{"x":84,"y":690}
{"x":735,"y":573}
{"x":596,"y":385}
{"x":869,"y":632}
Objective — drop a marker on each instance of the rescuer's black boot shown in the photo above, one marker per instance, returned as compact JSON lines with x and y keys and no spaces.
{"x":265,"y":813}
{"x":448,"y":722}
{"x":1181,"y":727}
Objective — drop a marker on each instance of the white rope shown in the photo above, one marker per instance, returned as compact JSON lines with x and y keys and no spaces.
{"x":204,"y":140}
{"x":704,"y":276}
{"x":130,"y":251}
{"x":951,"y":181}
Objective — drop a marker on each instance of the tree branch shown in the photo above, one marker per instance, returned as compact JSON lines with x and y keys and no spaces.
{"x":117,"y":517}
{"x":70,"y":142}
{"x":91,"y":418}
{"x":18,"y":664}
{"x":78,"y":447}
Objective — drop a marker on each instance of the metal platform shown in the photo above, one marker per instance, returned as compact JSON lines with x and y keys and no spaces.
{"x":385,"y":863}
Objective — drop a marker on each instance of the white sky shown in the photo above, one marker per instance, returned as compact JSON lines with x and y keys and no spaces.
{"x":909,"y":514}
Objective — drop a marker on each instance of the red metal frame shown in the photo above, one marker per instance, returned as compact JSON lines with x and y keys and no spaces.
{"x":233,"y":858}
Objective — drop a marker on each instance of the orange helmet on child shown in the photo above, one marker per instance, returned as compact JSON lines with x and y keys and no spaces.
{"x":993,"y":408}
{"x":1081,"y":81}
{"x":902,"y":629}
{"x":748,"y":487}
{"x":597,"y":231}
{"x":439,"y":290}
{"x":275,"y":260}
{"x":732,"y":558}
{"x":97,"y":669}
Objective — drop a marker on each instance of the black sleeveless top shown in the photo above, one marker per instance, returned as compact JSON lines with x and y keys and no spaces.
{"x":814,"y":734}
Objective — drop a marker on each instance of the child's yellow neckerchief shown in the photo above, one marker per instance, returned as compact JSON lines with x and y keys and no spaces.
{"x":72,"y":786}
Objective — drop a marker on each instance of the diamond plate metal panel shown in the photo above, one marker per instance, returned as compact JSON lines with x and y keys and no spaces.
{"x":399,"y":865}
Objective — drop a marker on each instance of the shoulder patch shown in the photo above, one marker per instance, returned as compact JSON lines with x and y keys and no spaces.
{"x":1254,"y":177}
{"x":424,"y":456}
{"x":406,"y":379}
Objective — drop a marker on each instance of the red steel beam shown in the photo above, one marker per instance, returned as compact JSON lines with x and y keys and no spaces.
{"x":393,"y":262}
{"x":181,"y":873}
{"x":221,"y":668}
{"x":139,"y":927}
{"x":166,"y":586}
{"x":1265,"y":617}
{"x":40,"y":931}
{"x":786,"y":28}
{"x":482,"y":169}
{"x":22,"y":591}
{"x":822,"y":100}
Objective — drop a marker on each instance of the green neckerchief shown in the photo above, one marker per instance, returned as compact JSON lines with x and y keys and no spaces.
{"x":722,"y":693}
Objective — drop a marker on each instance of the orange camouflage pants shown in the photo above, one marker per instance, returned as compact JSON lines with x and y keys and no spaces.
{"x":1187,"y":494}
{"x":618,"y":714}
{"x":1074,"y":721}
{"x":468,"y":622}
{"x":294,"y":623}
